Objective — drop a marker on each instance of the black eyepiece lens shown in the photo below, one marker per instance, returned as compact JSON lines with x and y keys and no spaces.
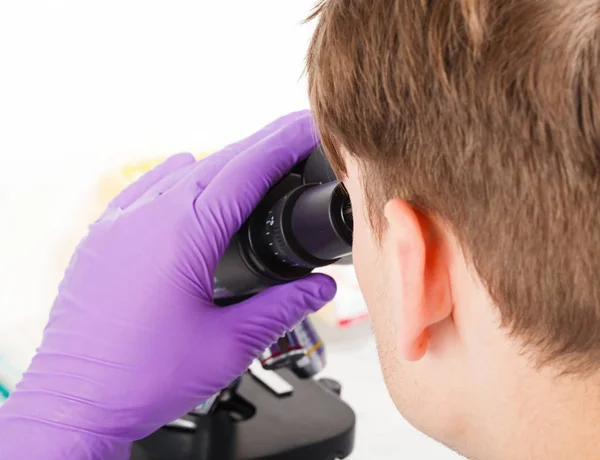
{"x":347,"y":218}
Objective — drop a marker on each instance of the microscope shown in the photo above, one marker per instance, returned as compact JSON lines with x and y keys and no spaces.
{"x":278,"y":409}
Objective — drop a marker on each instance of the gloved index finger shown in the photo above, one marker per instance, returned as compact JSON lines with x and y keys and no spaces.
{"x":233,"y":194}
{"x":209,"y":167}
{"x":135,"y":190}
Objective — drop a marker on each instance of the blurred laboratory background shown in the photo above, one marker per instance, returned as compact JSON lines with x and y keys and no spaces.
{"x":92,"y":94}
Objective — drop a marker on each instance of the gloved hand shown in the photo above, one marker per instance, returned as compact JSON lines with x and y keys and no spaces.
{"x":134,"y":340}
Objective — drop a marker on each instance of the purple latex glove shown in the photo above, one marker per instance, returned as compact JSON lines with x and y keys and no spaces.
{"x":134,"y":340}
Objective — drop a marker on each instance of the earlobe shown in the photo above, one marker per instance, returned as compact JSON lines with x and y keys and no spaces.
{"x":420,"y":265}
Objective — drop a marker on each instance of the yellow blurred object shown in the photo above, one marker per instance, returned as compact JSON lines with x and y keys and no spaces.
{"x":112,"y":184}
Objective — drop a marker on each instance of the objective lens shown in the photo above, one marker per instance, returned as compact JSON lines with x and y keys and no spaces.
{"x":314,"y":359}
{"x":301,"y":349}
{"x":283,"y":353}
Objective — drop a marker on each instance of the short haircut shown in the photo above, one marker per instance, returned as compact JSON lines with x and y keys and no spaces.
{"x":486,"y":115}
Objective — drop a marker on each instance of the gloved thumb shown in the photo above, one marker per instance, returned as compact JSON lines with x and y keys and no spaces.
{"x":271,"y":313}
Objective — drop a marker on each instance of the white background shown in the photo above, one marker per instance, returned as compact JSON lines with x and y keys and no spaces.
{"x":86,"y":87}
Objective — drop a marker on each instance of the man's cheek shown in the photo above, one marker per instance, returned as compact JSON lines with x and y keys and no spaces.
{"x":364,"y":269}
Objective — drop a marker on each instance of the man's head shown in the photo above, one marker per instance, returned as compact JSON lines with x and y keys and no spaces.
{"x":468,"y":135}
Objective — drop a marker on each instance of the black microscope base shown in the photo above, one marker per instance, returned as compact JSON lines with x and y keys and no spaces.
{"x":311,"y":423}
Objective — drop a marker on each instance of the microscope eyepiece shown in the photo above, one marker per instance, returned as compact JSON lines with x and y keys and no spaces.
{"x":305,"y":228}
{"x":347,"y":217}
{"x":303,"y":223}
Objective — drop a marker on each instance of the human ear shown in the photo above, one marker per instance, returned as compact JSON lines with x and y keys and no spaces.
{"x":419,"y":265}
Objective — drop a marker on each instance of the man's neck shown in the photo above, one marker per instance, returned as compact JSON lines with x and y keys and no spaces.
{"x":545,"y":417}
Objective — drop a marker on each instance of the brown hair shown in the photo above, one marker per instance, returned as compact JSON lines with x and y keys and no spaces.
{"x":485,"y":114}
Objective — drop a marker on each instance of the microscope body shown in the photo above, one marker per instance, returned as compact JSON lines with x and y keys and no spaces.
{"x":276,"y":410}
